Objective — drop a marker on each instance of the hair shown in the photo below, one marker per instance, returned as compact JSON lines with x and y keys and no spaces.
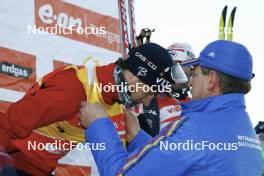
{"x":122,"y":63}
{"x":229,"y":84}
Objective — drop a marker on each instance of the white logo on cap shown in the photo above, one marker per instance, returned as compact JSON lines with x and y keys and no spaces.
{"x":144,"y":59}
{"x":212,"y":54}
{"x":162,"y":81}
{"x":142,"y":71}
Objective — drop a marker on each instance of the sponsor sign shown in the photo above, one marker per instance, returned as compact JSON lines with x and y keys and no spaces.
{"x":17,"y":70}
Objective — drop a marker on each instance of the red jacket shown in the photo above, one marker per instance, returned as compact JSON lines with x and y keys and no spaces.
{"x":169,"y":109}
{"x":58,"y":98}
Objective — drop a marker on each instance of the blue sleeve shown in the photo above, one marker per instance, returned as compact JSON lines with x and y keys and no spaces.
{"x":109,"y":160}
{"x":150,"y":159}
{"x":139,"y":140}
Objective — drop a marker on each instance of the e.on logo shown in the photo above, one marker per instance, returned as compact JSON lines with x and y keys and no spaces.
{"x":70,"y":21}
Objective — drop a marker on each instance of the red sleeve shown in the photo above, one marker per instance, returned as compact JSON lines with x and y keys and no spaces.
{"x":57,"y":99}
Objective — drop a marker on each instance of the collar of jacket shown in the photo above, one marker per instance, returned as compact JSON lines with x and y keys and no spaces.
{"x":105,"y":76}
{"x":215,"y":103}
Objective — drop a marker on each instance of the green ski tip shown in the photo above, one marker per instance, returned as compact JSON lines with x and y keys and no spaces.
{"x":221,"y":32}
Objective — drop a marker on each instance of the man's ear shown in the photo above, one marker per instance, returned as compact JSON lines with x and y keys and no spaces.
{"x":213,"y":80}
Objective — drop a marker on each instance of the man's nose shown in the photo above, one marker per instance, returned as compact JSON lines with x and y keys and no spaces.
{"x":146,"y":101}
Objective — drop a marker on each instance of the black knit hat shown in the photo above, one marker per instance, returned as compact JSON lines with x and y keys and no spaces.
{"x":148,"y":62}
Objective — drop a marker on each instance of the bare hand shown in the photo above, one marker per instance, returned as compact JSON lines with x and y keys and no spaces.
{"x":90,"y":112}
{"x":132,"y":125}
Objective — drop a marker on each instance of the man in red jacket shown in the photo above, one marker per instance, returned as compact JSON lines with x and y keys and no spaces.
{"x":42,"y":127}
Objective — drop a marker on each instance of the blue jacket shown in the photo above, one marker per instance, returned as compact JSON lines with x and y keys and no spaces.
{"x":214,"y":137}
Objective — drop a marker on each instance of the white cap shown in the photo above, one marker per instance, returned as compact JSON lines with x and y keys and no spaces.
{"x":181,"y":52}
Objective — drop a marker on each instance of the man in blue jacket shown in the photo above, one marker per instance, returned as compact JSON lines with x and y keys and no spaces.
{"x":214,"y":137}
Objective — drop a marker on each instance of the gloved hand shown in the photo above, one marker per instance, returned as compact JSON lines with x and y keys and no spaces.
{"x":144,"y":33}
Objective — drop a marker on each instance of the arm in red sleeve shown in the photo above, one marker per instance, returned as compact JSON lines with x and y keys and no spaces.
{"x":57,"y":99}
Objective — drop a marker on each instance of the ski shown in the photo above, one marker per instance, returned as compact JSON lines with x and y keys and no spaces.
{"x":131,"y":15}
{"x":123,"y":28}
{"x":230,"y":25}
{"x":221,"y":33}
